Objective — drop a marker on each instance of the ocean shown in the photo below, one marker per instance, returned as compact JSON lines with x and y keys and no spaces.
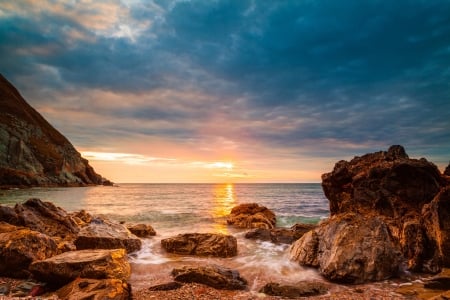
{"x":183,"y":208}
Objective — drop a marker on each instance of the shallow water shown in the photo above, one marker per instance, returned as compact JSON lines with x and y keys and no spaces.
{"x":181,"y":208}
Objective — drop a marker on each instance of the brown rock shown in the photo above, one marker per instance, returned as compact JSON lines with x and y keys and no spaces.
{"x":46,"y":218}
{"x":201,"y":244}
{"x":95,"y":289}
{"x":19,"y":247}
{"x":211,"y":275}
{"x":301,"y":289}
{"x":169,"y":286}
{"x":141,"y":230}
{"x":436,"y":216}
{"x":447,"y":170}
{"x":280,"y":235}
{"x":251,"y":215}
{"x":388,"y":183}
{"x":350,"y":249}
{"x":94,"y":264}
{"x":103,"y":234}
{"x":33,"y":152}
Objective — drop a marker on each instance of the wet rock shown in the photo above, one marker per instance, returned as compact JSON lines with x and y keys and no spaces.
{"x":211,"y":275}
{"x":170,"y":286}
{"x":5,"y":288}
{"x":141,"y":230}
{"x":95,"y":289}
{"x":301,"y":289}
{"x":350,"y":249}
{"x":251,"y":215}
{"x":28,"y":288}
{"x":46,"y":218}
{"x":19,"y":247}
{"x":95,"y":264}
{"x":103,"y":234}
{"x":280,"y":235}
{"x":9,"y":215}
{"x":201,"y":244}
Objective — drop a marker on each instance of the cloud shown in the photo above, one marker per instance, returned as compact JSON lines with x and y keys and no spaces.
{"x":247,"y":79}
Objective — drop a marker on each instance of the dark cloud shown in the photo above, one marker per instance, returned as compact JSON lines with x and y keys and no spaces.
{"x":369,"y":73}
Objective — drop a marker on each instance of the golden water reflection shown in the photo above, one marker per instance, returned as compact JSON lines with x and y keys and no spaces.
{"x":224,"y":201}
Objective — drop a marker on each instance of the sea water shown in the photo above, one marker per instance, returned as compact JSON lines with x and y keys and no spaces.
{"x":185,"y":208}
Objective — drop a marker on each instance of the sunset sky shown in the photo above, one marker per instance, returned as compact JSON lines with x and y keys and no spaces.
{"x":233,"y":91}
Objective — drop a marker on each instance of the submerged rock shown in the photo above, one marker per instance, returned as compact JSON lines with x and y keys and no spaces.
{"x":94,"y":264}
{"x":201,"y":244}
{"x":211,"y":275}
{"x":301,"y":289}
{"x":104,"y":234}
{"x":251,"y":215}
{"x":141,"y":230}
{"x":280,"y":235}
{"x":19,"y":247}
{"x":95,"y":289}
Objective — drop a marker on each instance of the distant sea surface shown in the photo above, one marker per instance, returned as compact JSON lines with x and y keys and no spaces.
{"x":181,"y":208}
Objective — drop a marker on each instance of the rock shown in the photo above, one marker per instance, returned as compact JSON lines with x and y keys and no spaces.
{"x":350,"y":249}
{"x":95,"y":289}
{"x":382,"y":204}
{"x":46,"y":218}
{"x":170,"y":286}
{"x":388,"y":183}
{"x":9,"y":215}
{"x":94,"y":264}
{"x":211,"y":275}
{"x":251,"y":215}
{"x":19,"y":247}
{"x":436,"y":216}
{"x":33,"y":152}
{"x":301,"y":289}
{"x":103,"y":234}
{"x":447,"y":170}
{"x":141,"y":230}
{"x":201,"y":244}
{"x":280,"y":235}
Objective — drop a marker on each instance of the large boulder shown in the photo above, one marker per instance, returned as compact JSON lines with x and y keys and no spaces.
{"x":214,"y":276}
{"x":447,"y":170}
{"x":19,"y":247}
{"x":95,"y":289}
{"x":388,"y":183}
{"x":104,"y":234}
{"x":251,"y":215}
{"x":402,"y":226}
{"x":201,"y":244}
{"x":95,"y":264}
{"x":350,"y":249}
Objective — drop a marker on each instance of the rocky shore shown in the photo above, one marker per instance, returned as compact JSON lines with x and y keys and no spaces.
{"x":387,"y":238}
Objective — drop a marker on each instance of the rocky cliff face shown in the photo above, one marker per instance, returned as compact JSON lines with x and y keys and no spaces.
{"x":33,"y":152}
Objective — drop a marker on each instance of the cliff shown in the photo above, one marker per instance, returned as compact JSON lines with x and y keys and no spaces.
{"x":33,"y":152}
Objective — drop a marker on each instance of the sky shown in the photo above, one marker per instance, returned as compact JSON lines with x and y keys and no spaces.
{"x":233,"y":91}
